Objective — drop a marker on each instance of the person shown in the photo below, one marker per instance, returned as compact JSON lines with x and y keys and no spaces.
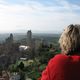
{"x":66,"y":65}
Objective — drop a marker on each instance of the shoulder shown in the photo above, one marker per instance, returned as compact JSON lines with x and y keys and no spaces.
{"x":55,"y":65}
{"x":58,"y":60}
{"x":59,"y":57}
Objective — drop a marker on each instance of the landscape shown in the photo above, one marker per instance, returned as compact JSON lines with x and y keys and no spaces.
{"x":24,"y":56}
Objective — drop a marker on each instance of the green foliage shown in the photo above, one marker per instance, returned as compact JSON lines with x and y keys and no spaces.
{"x":58,"y":51}
{"x":45,"y":57}
{"x":13,"y":68}
{"x":42,"y":67}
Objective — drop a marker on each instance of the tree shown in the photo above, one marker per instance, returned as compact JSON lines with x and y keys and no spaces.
{"x":21,"y":66}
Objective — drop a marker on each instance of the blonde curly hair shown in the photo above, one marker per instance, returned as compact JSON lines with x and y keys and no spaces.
{"x":70,"y":39}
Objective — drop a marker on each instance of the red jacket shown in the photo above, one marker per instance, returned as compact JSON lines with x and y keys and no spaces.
{"x":62,"y":67}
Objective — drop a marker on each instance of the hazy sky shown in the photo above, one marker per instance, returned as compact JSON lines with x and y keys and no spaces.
{"x":38,"y":15}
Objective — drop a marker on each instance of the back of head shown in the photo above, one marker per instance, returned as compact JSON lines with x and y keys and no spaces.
{"x":70,"y":39}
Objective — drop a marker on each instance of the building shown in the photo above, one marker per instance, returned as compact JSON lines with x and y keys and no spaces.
{"x":29,"y":38}
{"x":10,"y":39}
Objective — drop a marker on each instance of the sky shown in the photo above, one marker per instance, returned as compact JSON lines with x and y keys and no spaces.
{"x":48,"y":16}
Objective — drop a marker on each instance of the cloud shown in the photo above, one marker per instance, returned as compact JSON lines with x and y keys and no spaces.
{"x":37,"y":16}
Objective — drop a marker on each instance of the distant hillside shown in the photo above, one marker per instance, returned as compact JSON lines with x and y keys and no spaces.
{"x":3,"y":37}
{"x":19,"y":36}
{"x":45,"y":34}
